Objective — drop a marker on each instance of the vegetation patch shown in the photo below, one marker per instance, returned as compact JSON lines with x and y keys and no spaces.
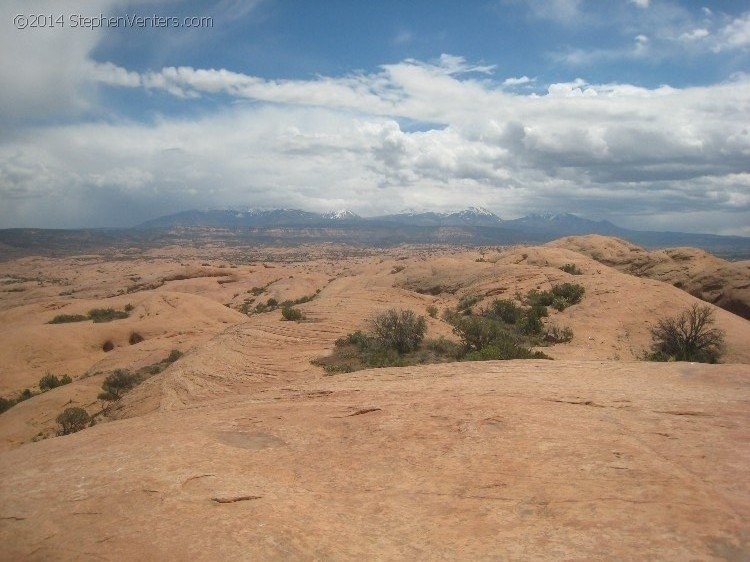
{"x":291,"y":314}
{"x":506,"y":330}
{"x":690,"y":336}
{"x":572,"y":268}
{"x":121,"y":381}
{"x":66,"y":318}
{"x":97,"y":315}
{"x":72,"y":420}
{"x":50,"y":381}
{"x":135,"y":338}
{"x":559,"y":297}
{"x":101,"y":315}
{"x":8,"y":403}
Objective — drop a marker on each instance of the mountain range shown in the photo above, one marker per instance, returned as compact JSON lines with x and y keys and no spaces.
{"x":473,"y":225}
{"x":470,"y":226}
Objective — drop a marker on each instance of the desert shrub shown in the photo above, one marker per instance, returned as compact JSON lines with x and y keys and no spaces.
{"x":135,"y":338}
{"x":506,"y":310}
{"x":571,"y":292}
{"x":444,"y":347}
{"x":289,"y":313}
{"x":301,"y":300}
{"x":538,"y":311}
{"x":67,"y":318}
{"x":397,"y":269}
{"x":6,"y":404}
{"x":50,"y":381}
{"x":400,"y":330}
{"x":558,"y":334}
{"x":537,"y":298}
{"x":432,"y":310}
{"x":691,"y":336}
{"x":128,"y":307}
{"x":72,"y":420}
{"x":358,"y":339}
{"x":504,"y":348}
{"x":174,"y":355}
{"x":571,"y":268}
{"x":99,"y":315}
{"x":381,"y":356}
{"x":116,"y":384}
{"x":108,"y":346}
{"x":477,"y":332}
{"x":257,"y":291}
{"x":272,"y":303}
{"x":531,"y":323}
{"x":467,"y":301}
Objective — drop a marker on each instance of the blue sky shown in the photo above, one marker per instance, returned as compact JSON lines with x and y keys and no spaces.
{"x":630,"y":110}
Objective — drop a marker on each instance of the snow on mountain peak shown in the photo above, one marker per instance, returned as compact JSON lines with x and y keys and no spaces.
{"x":341,"y":214}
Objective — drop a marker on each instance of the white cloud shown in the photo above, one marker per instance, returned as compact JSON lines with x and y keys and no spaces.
{"x":336,"y":141}
{"x":695,"y":34}
{"x":735,"y":35}
{"x":42,"y":70}
{"x":641,"y":3}
{"x":520,"y":81}
{"x":561,"y":11}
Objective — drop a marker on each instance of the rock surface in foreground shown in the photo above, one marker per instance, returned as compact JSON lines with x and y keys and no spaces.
{"x":497,"y":460}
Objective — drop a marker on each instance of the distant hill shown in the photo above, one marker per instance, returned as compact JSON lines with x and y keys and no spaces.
{"x":472,"y":227}
{"x":475,"y":225}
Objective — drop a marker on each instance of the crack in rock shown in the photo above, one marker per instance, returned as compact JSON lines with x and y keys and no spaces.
{"x":235,"y":499}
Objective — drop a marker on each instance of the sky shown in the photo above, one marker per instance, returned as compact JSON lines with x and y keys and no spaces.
{"x":113,"y":112}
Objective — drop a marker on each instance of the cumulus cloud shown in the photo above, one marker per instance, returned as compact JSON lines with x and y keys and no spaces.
{"x":735,"y":35}
{"x":338,"y":141}
{"x":31,"y":60}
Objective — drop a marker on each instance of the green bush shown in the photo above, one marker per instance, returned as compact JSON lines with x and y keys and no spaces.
{"x":72,"y":420}
{"x":691,"y":336}
{"x":467,"y":301}
{"x":67,"y":318}
{"x":116,"y":384}
{"x":50,"y":381}
{"x":99,"y":315}
{"x":444,"y":347}
{"x":174,"y":355}
{"x":400,"y":330}
{"x":504,"y":348}
{"x":571,"y":292}
{"x":531,"y":324}
{"x":536,"y":298}
{"x":358,"y":338}
{"x":477,"y":332}
{"x":6,"y":404}
{"x":506,"y":310}
{"x":558,"y":334}
{"x":432,"y":311}
{"x":572,"y":269}
{"x":291,"y":314}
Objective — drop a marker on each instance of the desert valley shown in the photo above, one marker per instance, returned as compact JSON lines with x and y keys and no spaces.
{"x":241,"y":439}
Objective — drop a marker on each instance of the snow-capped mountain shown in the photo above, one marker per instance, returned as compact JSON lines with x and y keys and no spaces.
{"x":341,"y":215}
{"x":562,"y":224}
{"x":471,"y":216}
{"x":475,"y":225}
